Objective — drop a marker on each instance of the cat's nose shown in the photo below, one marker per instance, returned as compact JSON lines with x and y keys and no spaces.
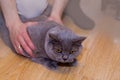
{"x":65,"y":57}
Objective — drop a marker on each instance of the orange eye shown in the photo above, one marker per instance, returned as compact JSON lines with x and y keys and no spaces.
{"x":58,"y":50}
{"x":72,"y":51}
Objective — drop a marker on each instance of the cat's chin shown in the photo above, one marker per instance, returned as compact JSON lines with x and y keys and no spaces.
{"x":65,"y":61}
{"x":68,"y":64}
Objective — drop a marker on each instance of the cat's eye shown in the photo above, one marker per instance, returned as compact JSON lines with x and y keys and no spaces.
{"x":58,"y":50}
{"x":72,"y":51}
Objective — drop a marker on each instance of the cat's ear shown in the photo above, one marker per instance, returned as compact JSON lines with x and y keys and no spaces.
{"x":82,"y":39}
{"x":79,"y":40}
{"x":53,"y":36}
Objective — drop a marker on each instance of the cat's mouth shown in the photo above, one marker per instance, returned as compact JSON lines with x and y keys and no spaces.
{"x":64,"y":64}
{"x":67,"y":64}
{"x":66,"y":61}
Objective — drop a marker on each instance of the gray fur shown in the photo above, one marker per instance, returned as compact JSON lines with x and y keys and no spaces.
{"x":40,"y":35}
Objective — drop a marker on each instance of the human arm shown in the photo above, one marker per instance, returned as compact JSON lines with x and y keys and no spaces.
{"x":57,"y":10}
{"x":17,"y":29}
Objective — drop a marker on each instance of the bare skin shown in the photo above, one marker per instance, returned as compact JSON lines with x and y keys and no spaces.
{"x":57,"y":10}
{"x":17,"y":29}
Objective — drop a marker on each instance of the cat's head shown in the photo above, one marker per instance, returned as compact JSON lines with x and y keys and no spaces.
{"x":62,"y":45}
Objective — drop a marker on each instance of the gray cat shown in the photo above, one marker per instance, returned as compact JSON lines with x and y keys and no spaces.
{"x":54,"y":43}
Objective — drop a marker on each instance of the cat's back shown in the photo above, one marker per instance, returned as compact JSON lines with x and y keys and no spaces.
{"x":38,"y":33}
{"x":39,"y":30}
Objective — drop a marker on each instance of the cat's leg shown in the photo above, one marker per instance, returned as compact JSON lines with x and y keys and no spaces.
{"x":50,"y":64}
{"x":79,"y":18}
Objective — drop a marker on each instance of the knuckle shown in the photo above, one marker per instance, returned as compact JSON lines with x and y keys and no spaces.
{"x":24,"y":33}
{"x":24,"y":45}
{"x":30,"y":44}
{"x":18,"y":37}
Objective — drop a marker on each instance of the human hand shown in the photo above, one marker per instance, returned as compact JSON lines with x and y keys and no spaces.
{"x":56,"y":19}
{"x":20,"y":38}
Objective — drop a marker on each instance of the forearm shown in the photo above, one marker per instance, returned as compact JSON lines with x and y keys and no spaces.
{"x":10,"y":12}
{"x":58,"y":7}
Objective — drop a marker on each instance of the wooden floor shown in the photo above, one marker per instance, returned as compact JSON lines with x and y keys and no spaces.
{"x":100,"y":58}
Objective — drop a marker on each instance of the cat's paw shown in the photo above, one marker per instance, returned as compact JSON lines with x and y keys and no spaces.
{"x":52,"y":65}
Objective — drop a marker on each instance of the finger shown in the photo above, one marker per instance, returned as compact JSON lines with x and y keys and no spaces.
{"x":18,"y":48}
{"x":25,"y":46}
{"x":28,"y":41}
